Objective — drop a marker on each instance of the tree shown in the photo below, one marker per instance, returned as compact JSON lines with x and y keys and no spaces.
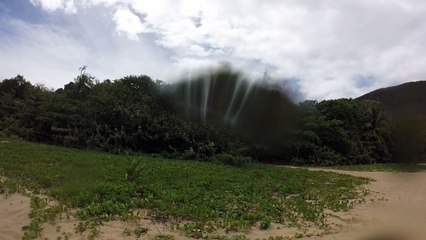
{"x":81,"y":86}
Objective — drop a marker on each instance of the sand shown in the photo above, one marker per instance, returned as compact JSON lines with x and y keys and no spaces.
{"x":14,"y":211}
{"x":396,"y":207}
{"x":107,"y":231}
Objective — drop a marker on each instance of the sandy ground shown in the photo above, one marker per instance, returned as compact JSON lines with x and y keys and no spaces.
{"x":396,"y":208}
{"x":14,"y":212}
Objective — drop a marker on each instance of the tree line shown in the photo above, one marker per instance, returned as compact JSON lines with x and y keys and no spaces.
{"x":137,"y":114}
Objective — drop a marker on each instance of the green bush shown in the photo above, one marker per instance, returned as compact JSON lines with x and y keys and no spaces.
{"x":265,"y":224}
{"x":227,"y":159}
{"x":326,"y":157}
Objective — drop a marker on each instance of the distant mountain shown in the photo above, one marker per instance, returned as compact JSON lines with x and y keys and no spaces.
{"x":403,"y":102}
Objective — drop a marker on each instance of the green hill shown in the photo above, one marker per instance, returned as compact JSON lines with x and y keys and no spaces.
{"x":405,"y":104}
{"x":402,"y":102}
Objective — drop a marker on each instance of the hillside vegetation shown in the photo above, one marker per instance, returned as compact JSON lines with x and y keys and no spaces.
{"x":405,"y":105}
{"x":402,"y":102}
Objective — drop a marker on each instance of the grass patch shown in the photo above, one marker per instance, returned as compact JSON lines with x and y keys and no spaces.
{"x":207,"y":196}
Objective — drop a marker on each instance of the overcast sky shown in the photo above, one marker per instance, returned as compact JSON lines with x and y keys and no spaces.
{"x":323,"y":48}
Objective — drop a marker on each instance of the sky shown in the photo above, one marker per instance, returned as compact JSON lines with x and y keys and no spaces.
{"x":321,"y":49}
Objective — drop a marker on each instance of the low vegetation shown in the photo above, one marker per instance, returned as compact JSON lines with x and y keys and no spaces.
{"x":196,"y":198}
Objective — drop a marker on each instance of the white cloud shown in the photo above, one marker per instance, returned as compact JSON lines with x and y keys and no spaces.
{"x":128,"y":23}
{"x":53,"y":5}
{"x":327,"y":44}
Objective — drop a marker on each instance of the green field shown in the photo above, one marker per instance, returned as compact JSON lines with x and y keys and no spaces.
{"x":194,"y":197}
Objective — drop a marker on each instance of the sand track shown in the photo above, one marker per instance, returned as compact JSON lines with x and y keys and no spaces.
{"x":397,"y":206}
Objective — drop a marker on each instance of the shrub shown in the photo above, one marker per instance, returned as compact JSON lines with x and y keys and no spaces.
{"x":189,"y":154}
{"x":133,"y":170}
{"x":227,"y":159}
{"x":265,"y":224}
{"x":326,"y":157}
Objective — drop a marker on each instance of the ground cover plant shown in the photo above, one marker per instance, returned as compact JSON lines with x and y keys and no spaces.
{"x":194,"y":197}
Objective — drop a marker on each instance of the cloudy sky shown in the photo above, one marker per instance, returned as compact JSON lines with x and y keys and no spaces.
{"x":322,"y":48}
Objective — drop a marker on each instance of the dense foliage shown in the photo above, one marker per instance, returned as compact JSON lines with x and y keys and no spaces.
{"x":136,"y":114}
{"x":343,"y":131}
